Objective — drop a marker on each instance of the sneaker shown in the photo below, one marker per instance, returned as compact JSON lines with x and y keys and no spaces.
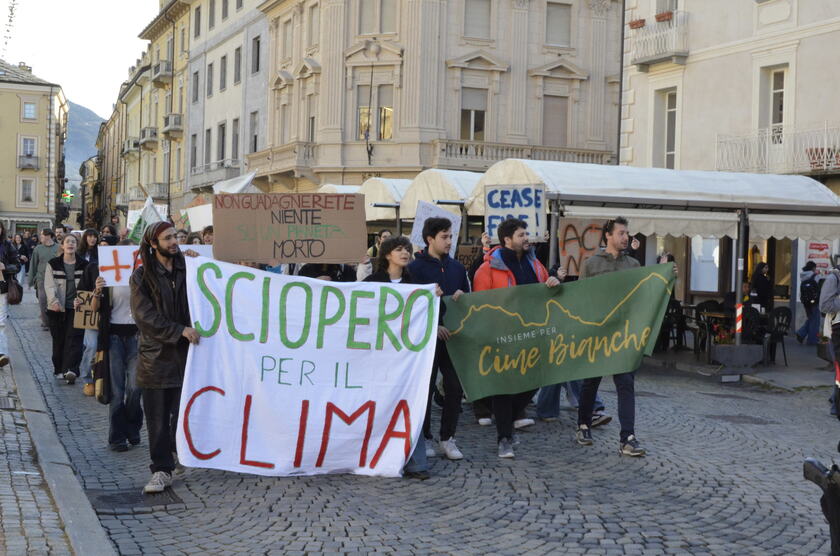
{"x":134,"y":441}
{"x":548,"y":419}
{"x":419,"y":475}
{"x":584,"y":436}
{"x":515,"y":440}
{"x":630,"y":447}
{"x":58,"y":376}
{"x":430,"y":448}
{"x":89,"y":390}
{"x":523,"y":423}
{"x":599,"y":419}
{"x":799,"y":337}
{"x":160,"y":481}
{"x":505,"y":448}
{"x":4,"y":359}
{"x":485,"y":421}
{"x":121,"y":447}
{"x":70,"y":377}
{"x":450,"y":450}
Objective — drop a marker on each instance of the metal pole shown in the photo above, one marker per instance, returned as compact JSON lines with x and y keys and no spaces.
{"x":399,"y":221}
{"x":554,"y":226}
{"x":465,"y":225}
{"x":739,"y":276}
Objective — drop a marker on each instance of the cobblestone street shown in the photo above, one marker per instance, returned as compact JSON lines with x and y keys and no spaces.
{"x":723,"y":476}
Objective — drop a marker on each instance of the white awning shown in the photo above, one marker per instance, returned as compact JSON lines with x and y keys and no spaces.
{"x":765,"y":226}
{"x":675,"y":223}
{"x":334,"y":188}
{"x":385,"y":191}
{"x":438,"y":185}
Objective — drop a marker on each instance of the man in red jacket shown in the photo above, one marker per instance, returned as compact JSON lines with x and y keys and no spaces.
{"x":510,"y":264}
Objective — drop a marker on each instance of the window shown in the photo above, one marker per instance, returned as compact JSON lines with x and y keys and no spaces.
{"x":237,"y":65}
{"x":178,"y":163}
{"x":209,"y":80}
{"x":314,"y":24}
{"x":195,"y":87}
{"x":473,"y":108}
{"x":238,"y":4}
{"x":208,"y":150}
{"x":477,"y":19}
{"x":363,"y":102}
{"x":558,"y":24}
{"x":255,"y":55}
{"x":197,"y":22}
{"x":666,"y":6}
{"x":183,"y":40}
{"x":705,"y":264}
{"x":27,"y":191}
{"x":670,"y":129}
{"x":287,"y":39}
{"x":377,"y":16}
{"x":777,"y":105}
{"x":30,"y":111}
{"x":234,"y":139}
{"x":253,"y":143}
{"x":312,"y":109}
{"x":225,"y":9}
{"x":193,"y":151}
{"x":555,"y":121}
{"x":220,"y":141}
{"x":385,"y":100}
{"x":223,"y":73}
{"x":28,"y":146}
{"x":284,"y":123}
{"x":211,"y":18}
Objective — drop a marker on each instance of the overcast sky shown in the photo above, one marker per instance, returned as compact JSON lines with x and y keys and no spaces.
{"x":86,"y":46}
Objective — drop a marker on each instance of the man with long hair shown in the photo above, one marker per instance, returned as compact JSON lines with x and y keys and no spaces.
{"x":160,"y":310}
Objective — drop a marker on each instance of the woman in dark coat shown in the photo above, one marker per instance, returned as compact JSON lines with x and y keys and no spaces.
{"x":762,"y":286}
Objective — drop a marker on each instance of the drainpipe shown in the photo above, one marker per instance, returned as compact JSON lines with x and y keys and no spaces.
{"x":50,"y":140}
{"x":620,"y":84}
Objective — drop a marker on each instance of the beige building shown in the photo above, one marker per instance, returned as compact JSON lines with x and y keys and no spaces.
{"x":33,"y":113}
{"x":365,"y":88}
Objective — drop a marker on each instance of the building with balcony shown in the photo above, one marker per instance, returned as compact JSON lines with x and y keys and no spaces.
{"x":34,"y":115}
{"x":747,"y":86}
{"x":389,"y":88}
{"x":226,"y":115}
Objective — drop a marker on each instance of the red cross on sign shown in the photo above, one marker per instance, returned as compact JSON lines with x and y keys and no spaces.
{"x":117,"y":266}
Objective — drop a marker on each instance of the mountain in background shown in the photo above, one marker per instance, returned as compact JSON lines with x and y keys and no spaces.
{"x":82,"y":129}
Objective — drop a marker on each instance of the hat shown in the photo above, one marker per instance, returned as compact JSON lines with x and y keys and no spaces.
{"x":154,"y":230}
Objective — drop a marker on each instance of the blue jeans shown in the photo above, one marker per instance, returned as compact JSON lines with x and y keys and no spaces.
{"x":418,"y":462}
{"x":125,"y":412}
{"x":811,"y":328}
{"x":548,"y":400}
{"x":91,"y":337}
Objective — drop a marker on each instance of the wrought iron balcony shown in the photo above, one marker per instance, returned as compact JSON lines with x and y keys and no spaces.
{"x":172,"y":125}
{"x":162,"y":73}
{"x":29,"y":162}
{"x":781,"y":150}
{"x":665,"y":40}
{"x":131,"y":146}
{"x":478,"y":156}
{"x":207,"y":175}
{"x":149,"y":138}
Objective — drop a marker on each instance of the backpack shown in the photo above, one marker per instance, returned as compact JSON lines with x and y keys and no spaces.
{"x":809,"y":292}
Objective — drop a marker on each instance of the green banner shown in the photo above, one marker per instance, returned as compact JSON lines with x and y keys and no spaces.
{"x":517,"y":339}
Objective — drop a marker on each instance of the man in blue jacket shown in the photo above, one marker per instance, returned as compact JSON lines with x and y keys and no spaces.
{"x":433,"y":265}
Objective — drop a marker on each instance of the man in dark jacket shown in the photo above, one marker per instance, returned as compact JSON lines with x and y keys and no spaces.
{"x":160,"y":310}
{"x":433,"y":265}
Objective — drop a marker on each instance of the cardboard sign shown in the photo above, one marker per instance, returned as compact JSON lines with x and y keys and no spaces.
{"x":428,"y":210}
{"x":289,"y":227}
{"x":578,"y":240}
{"x":117,"y":262}
{"x":525,"y":202}
{"x":282,"y":381}
{"x":86,"y":318}
{"x":467,"y":254}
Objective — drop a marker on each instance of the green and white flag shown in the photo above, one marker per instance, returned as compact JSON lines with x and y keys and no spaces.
{"x":149,"y":215}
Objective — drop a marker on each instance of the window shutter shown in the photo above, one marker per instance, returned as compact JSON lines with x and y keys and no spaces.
{"x":473,"y":99}
{"x":558,"y":24}
{"x":555,"y":121}
{"x":477,"y":19}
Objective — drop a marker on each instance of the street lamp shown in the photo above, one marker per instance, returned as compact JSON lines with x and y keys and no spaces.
{"x":396,"y":207}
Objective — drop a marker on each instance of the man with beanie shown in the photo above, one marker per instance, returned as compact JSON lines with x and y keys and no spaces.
{"x":160,"y":310}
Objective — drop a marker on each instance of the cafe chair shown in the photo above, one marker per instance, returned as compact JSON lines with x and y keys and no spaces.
{"x":701,"y":328}
{"x":779,"y":325}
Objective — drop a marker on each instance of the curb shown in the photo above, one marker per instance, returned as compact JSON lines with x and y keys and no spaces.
{"x":81,"y":524}
{"x":758,"y":381}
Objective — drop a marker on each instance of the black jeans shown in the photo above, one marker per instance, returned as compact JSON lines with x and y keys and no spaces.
{"x":508,"y":407}
{"x":452,"y":394}
{"x":161,"y":408}
{"x":67,"y":344}
{"x":626,"y":393}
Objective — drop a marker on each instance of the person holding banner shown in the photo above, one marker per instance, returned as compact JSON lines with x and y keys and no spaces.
{"x":160,"y":310}
{"x":511,"y":263}
{"x":612,"y":258}
{"x":392,"y":260}
{"x":433,"y":265}
{"x":61,"y":281}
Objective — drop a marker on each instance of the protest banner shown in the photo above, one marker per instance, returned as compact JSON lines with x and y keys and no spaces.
{"x":134,"y":214}
{"x":85,"y":318}
{"x":118,"y":262}
{"x":577,"y":241}
{"x":517,"y":339}
{"x":467,"y":253}
{"x":148,"y":215}
{"x":289,"y":227}
{"x":428,"y":210}
{"x":525,"y":202}
{"x":283,"y":380}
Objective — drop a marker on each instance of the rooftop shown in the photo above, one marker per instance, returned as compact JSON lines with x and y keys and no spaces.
{"x":20,"y":73}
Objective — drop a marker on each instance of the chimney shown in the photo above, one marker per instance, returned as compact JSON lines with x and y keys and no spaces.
{"x":22,"y":66}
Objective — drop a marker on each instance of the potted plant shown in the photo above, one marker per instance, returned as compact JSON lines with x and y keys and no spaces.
{"x":664,"y":16}
{"x":637,"y":23}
